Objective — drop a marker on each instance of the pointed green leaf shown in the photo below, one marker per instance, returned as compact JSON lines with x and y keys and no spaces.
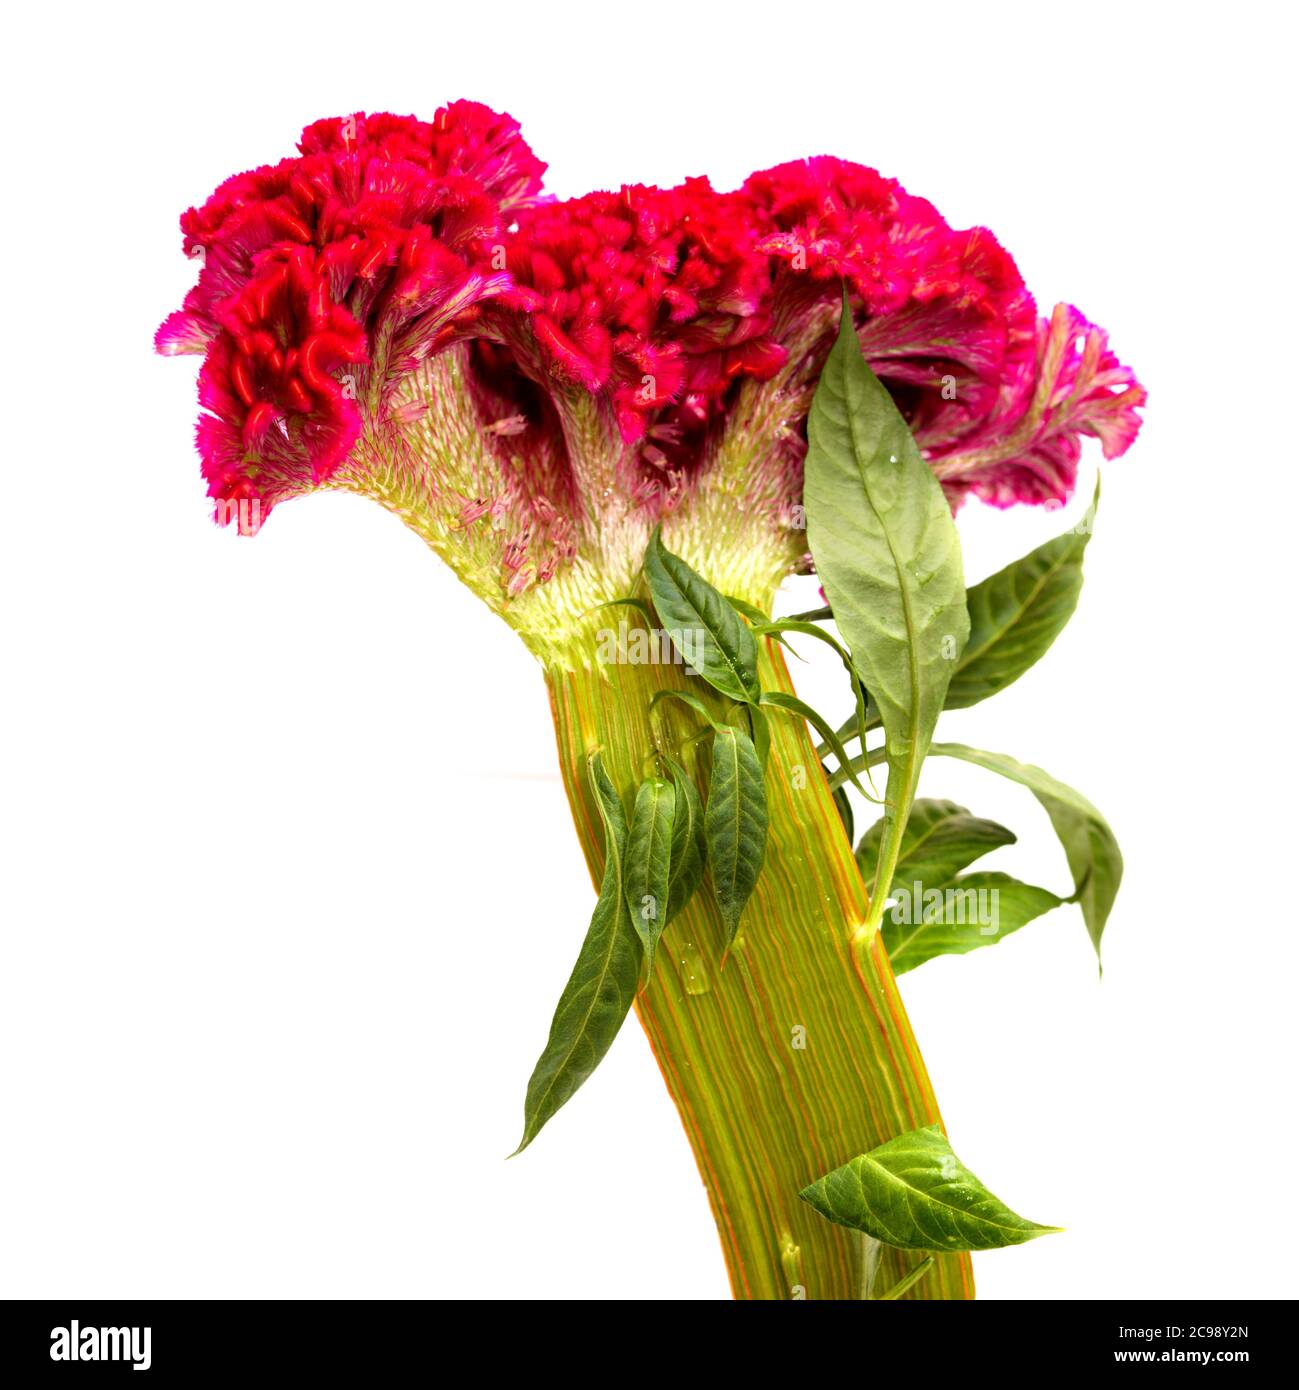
{"x":885,"y":546}
{"x":1089,"y":844}
{"x":646,"y":877}
{"x":735,"y":823}
{"x":1017,"y":613}
{"x":950,"y":919}
{"x":888,"y":556}
{"x":688,"y":844}
{"x":915,"y":1194}
{"x":602,"y":986}
{"x":710,"y":635}
{"x":940,"y":840}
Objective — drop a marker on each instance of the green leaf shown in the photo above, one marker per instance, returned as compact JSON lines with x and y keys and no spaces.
{"x":647,"y":874}
{"x":791,"y":704}
{"x":952,"y":918}
{"x":915,"y":1194}
{"x":710,"y":635}
{"x":888,"y":556}
{"x":1089,"y":844}
{"x":602,"y":986}
{"x":735,"y":823}
{"x":933,"y":912}
{"x":1017,"y":613}
{"x":940,"y":840}
{"x":689,"y":847}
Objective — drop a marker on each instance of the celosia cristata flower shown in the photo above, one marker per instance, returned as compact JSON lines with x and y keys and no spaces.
{"x":533,"y":385}
{"x":537,"y":388}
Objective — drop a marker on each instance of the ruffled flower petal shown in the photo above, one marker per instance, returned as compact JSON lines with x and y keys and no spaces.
{"x":1027,"y":448}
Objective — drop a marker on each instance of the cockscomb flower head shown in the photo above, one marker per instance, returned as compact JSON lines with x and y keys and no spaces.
{"x":534,"y":385}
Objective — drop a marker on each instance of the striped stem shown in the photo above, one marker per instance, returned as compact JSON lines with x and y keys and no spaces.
{"x":793,"y":1055}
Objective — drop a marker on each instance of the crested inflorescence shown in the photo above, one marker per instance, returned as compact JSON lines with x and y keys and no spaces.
{"x":533,"y":385}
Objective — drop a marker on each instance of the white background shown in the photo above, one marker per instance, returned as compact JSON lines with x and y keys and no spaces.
{"x":290,"y":887}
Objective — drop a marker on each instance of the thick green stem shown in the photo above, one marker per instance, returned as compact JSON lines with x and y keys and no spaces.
{"x":793,"y":1056}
